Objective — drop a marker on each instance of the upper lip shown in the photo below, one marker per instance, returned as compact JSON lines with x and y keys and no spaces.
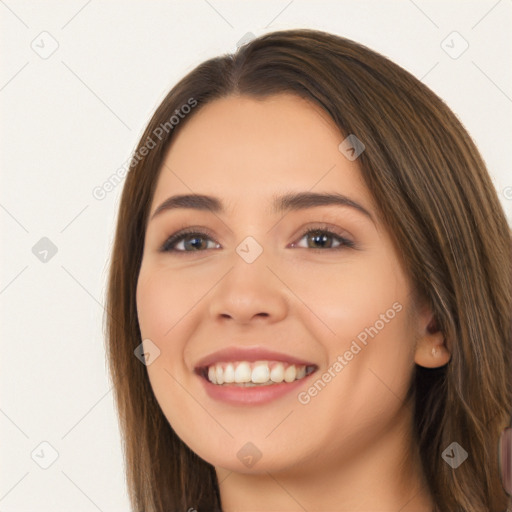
{"x":249,"y":354}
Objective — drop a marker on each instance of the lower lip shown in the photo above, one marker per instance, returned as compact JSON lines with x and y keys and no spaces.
{"x":239,"y":395}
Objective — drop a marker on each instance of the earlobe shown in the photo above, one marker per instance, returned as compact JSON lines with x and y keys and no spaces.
{"x":431,"y":355}
{"x":431,"y":350}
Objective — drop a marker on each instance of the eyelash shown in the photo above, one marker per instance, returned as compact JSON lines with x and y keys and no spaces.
{"x":180,"y":235}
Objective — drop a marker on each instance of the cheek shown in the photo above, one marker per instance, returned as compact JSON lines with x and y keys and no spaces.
{"x":362,"y":390}
{"x":344,"y":299}
{"x":159,"y":303}
{"x":162,"y":304}
{"x":360,"y":314}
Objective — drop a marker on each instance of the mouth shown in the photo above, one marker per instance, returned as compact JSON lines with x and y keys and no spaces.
{"x":254,"y":373}
{"x":251,"y":375}
{"x":253,"y":383}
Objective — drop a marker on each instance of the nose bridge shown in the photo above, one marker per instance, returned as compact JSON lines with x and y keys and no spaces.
{"x":249,"y":288}
{"x":250,"y":249}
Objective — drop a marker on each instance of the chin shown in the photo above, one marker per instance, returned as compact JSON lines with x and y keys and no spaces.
{"x":241,"y":455}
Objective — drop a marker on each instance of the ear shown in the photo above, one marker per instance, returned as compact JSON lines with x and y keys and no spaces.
{"x":431,"y":350}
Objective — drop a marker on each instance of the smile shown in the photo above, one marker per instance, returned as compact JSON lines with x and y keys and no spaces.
{"x":251,"y":376}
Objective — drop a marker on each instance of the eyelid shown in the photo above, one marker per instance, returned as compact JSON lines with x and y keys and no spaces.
{"x":324,"y":226}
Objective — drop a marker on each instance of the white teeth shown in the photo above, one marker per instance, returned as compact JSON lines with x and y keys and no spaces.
{"x":219,"y":375}
{"x":229,"y":373}
{"x":257,"y":373}
{"x":260,"y":372}
{"x":277,"y":373}
{"x":289,"y":374}
{"x":242,"y":372}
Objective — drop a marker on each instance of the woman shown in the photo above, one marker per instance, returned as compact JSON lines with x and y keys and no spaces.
{"x":314,"y":267}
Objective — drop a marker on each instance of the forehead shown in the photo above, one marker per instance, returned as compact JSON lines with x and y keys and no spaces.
{"x":246,"y":149}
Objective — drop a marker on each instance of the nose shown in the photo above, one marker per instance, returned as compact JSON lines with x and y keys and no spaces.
{"x":249,"y":292}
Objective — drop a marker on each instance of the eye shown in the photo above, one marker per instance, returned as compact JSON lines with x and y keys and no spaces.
{"x":193,"y":240}
{"x":324,"y":237}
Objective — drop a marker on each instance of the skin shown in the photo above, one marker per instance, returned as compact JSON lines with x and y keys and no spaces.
{"x":350,"y":448}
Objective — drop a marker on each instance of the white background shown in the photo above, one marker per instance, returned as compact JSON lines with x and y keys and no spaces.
{"x":71,"y":120}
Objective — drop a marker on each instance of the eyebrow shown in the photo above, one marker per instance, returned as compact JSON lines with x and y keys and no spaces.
{"x":284,"y":203}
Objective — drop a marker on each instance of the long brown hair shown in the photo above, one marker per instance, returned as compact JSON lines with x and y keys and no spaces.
{"x":434,"y":194}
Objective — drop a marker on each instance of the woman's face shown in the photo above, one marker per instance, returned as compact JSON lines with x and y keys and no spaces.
{"x":256,"y":287}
